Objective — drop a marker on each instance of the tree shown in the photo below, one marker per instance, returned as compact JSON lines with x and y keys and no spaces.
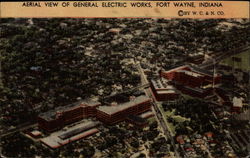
{"x":135,"y":143}
{"x":153,"y":125}
{"x":88,"y":151}
{"x":142,"y":155}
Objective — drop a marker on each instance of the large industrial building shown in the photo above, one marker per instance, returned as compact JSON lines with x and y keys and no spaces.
{"x":61,"y":116}
{"x":191,"y":76}
{"x":162,"y":90}
{"x":192,"y":80}
{"x":119,"y":112}
{"x":67,"y":135}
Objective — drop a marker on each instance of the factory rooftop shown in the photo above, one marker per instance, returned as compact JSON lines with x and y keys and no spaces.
{"x":158,"y":84}
{"x":193,"y":69}
{"x":202,"y":71}
{"x":196,"y":89}
{"x":114,"y":109}
{"x":50,"y":115}
{"x":161,"y":86}
{"x":147,"y":114}
{"x":69,"y":134}
{"x":190,"y":73}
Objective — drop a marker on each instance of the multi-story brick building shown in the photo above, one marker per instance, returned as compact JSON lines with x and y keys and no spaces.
{"x":162,"y":90}
{"x":119,"y":112}
{"x":61,"y":116}
{"x":192,"y":80}
{"x":191,"y":76}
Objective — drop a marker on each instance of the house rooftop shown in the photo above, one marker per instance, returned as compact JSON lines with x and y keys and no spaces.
{"x":237,"y":102}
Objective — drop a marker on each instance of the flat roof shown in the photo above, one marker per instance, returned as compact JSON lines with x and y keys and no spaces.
{"x":50,"y":115}
{"x":146,"y":114}
{"x":177,"y":68}
{"x":190,"y":73}
{"x":203,"y":71}
{"x":193,"y":69}
{"x":194,"y":89}
{"x":54,"y":140}
{"x":158,"y":84}
{"x":114,"y":109}
{"x":166,"y":92}
{"x":237,"y":102}
{"x":161,"y":86}
{"x":75,"y":131}
{"x":36,"y":133}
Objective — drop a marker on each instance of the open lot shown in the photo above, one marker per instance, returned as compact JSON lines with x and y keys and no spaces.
{"x":243,"y":64}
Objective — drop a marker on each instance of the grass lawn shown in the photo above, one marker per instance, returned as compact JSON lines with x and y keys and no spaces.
{"x":172,"y":127}
{"x":177,"y":118}
{"x":180,"y":119}
{"x":151,"y":119}
{"x":244,"y":64}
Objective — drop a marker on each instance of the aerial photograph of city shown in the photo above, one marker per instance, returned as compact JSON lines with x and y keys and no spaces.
{"x":124,"y":88}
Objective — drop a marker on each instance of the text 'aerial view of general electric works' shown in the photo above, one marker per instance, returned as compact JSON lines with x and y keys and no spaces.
{"x":124,"y":88}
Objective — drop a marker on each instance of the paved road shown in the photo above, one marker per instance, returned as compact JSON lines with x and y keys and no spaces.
{"x":158,"y":113}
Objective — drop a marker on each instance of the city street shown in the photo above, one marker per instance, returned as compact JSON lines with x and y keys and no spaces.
{"x":158,"y":113}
